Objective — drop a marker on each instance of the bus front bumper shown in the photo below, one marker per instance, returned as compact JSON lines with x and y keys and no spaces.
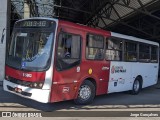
{"x":40,"y":95}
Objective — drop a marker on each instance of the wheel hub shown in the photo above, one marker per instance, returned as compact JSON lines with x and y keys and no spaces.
{"x":85,"y":92}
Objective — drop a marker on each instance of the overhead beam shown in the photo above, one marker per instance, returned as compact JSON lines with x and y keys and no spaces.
{"x":69,"y":8}
{"x":139,"y":10}
{"x":123,"y":23}
{"x":102,"y":5}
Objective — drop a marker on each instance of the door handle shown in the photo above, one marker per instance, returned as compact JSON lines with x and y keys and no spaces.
{"x":105,"y":68}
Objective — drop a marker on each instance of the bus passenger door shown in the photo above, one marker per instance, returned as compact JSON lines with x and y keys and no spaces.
{"x":67,"y":66}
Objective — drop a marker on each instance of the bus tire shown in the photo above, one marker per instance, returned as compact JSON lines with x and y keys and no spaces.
{"x":86,"y":93}
{"x":136,"y":88}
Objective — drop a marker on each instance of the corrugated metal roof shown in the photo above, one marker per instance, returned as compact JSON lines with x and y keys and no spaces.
{"x":122,"y":10}
{"x":134,"y":15}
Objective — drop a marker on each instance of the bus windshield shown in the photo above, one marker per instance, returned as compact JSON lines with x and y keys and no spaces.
{"x":30,"y":50}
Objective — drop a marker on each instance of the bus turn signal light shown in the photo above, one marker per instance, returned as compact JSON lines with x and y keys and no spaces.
{"x":75,"y":87}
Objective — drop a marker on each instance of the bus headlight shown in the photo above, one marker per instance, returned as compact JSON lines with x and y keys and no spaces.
{"x":35,"y":85}
{"x":38,"y":85}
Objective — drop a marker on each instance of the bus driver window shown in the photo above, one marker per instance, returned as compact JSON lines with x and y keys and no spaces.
{"x":68,"y":53}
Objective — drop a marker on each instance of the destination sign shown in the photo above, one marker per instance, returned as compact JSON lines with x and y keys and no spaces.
{"x":34,"y":23}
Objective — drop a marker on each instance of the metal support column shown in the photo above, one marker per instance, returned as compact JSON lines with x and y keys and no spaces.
{"x":26,"y":9}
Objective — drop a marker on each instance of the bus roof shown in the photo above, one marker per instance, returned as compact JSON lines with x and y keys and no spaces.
{"x":43,"y":18}
{"x":133,"y":38}
{"x":85,"y":28}
{"x":103,"y":32}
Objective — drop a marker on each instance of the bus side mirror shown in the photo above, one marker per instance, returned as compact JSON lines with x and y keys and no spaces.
{"x":2,"y":37}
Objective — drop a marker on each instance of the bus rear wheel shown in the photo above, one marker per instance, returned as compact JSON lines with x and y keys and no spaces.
{"x":86,"y":93}
{"x":136,"y":88}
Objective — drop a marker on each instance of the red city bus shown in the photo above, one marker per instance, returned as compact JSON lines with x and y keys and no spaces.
{"x":51,"y":60}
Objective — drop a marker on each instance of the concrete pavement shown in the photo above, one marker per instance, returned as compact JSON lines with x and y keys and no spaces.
{"x":148,"y":100}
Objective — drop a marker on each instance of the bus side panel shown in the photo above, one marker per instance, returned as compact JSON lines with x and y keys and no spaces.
{"x":120,"y":77}
{"x":148,"y":71}
{"x":100,"y":74}
{"x":66,"y":89}
{"x":123,"y":74}
{"x":66,"y":83}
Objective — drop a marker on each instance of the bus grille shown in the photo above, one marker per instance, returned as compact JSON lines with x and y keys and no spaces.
{"x":19,"y":82}
{"x":37,"y":85}
{"x":22,"y":93}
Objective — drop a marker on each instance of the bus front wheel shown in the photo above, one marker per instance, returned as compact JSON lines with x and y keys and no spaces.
{"x":136,"y":87}
{"x":86,"y":93}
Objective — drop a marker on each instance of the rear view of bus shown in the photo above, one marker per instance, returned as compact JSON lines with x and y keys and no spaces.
{"x":29,"y":60}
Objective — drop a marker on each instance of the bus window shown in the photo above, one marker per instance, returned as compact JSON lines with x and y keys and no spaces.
{"x":95,"y":47}
{"x":30,"y":50}
{"x":19,"y":47}
{"x":144,"y":52}
{"x":154,"y":54}
{"x":68,"y":53}
{"x":130,"y":53}
{"x":113,"y":49}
